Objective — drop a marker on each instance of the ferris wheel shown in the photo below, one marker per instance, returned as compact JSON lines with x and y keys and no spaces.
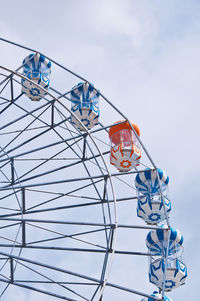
{"x":69,"y":161}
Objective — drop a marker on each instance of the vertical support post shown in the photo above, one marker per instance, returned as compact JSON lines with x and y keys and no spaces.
{"x":84,"y":147}
{"x":11,"y":270}
{"x":23,"y":222}
{"x":23,"y":234}
{"x":23,"y":201}
{"x":52,"y":113}
{"x":111,"y":238}
{"x":12,"y":171}
{"x":11,"y":89}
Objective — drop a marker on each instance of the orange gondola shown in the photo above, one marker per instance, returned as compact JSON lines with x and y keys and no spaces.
{"x":125,"y":153}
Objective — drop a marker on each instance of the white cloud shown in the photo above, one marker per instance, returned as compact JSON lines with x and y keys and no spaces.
{"x":124,"y":18}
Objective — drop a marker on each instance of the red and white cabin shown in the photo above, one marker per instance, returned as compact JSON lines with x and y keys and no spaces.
{"x":125,"y":153}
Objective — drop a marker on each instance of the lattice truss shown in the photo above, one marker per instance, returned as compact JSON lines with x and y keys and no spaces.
{"x":60,"y":195}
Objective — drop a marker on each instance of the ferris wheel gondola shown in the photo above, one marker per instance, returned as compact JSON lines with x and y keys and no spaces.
{"x":166,"y":243}
{"x":125,"y":153}
{"x":85,"y":105}
{"x":37,"y":68}
{"x":151,"y":202}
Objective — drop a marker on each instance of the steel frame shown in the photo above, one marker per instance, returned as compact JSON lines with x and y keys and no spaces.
{"x":17,"y":187}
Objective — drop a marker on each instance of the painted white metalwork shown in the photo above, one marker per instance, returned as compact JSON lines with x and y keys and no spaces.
{"x":50,"y":169}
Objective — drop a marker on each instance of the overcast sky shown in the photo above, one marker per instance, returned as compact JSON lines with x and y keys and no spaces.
{"x":144,"y":56}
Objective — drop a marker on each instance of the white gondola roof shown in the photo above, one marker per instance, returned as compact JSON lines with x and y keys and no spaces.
{"x":155,"y":237}
{"x":34,"y":60}
{"x":142,"y":180}
{"x":84,"y":92}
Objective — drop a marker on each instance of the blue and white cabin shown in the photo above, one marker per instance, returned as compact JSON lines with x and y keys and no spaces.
{"x":152,"y":196}
{"x":38,"y":69}
{"x":85,"y":105}
{"x":158,"y":296}
{"x":162,"y":244}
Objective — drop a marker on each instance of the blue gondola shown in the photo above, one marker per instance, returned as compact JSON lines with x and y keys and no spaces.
{"x":151,"y":203}
{"x":85,"y":105}
{"x":176,"y":270}
{"x":36,"y":68}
